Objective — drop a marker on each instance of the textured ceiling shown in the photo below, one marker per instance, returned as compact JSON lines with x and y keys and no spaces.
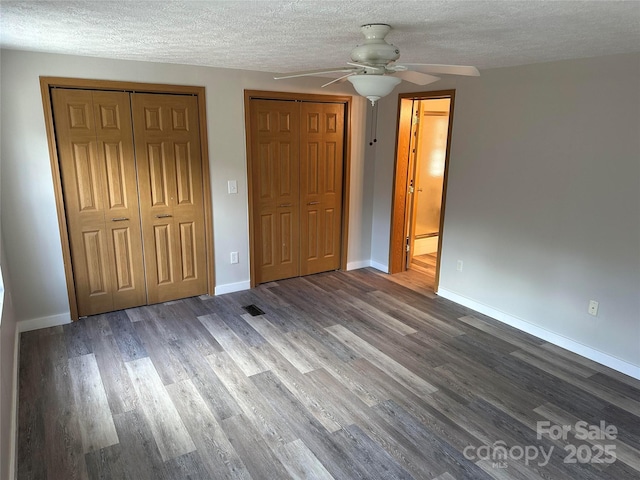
{"x":282,"y":36}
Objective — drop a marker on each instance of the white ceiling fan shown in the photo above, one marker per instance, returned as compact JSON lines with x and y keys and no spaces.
{"x":372,"y":70}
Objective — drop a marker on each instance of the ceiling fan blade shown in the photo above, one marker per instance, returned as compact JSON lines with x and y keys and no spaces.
{"x":339,"y":79}
{"x":416,"y":77}
{"x":443,"y":69}
{"x":371,"y":69}
{"x":311,"y":73}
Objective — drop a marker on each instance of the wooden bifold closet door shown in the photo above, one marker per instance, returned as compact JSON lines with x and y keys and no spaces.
{"x":296,"y":176}
{"x":171,"y":195}
{"x":133,"y":204}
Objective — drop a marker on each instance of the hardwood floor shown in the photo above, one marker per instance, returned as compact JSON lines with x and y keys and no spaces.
{"x":347,"y":375}
{"x":425,"y":263}
{"x":420,"y":276}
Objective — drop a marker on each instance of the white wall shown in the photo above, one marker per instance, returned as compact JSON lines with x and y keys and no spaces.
{"x":8,"y":366}
{"x":423,"y":246}
{"x":8,"y":376}
{"x":543,"y":201}
{"x":384,"y":152}
{"x":29,"y":221}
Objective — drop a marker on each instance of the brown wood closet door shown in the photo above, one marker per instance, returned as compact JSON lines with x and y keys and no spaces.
{"x":167,"y":145}
{"x":275,"y":183}
{"x":321,"y":160}
{"x":95,"y":150}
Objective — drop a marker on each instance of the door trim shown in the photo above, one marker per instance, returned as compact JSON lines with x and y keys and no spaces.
{"x":399,"y":196}
{"x":48,"y":83}
{"x":346,"y":176}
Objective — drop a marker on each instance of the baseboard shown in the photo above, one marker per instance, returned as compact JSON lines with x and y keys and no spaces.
{"x":544,"y":334}
{"x":43,"y":322}
{"x":359,"y":264}
{"x":380,"y":266}
{"x":233,"y":287}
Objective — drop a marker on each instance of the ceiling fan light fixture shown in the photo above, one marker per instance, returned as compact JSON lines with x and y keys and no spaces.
{"x":374,"y":59}
{"x":374,"y":87}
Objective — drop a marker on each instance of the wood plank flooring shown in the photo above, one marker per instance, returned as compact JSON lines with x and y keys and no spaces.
{"x":347,"y":375}
{"x":426,"y":262}
{"x":420,"y":276}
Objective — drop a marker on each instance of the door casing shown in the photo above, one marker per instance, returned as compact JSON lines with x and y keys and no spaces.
{"x":48,"y":83}
{"x":299,"y":97}
{"x":399,"y":210}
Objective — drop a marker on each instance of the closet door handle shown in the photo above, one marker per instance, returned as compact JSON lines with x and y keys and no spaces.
{"x":282,"y":205}
{"x":313,"y":203}
{"x":164,"y":215}
{"x":119,"y":219}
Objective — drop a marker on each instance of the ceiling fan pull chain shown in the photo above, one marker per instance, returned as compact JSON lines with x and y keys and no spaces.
{"x":374,"y":124}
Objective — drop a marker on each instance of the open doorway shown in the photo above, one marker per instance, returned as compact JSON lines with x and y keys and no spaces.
{"x":424,"y":133}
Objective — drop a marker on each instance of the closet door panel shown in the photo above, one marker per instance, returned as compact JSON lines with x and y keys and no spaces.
{"x":321,"y":166}
{"x":91,"y":267}
{"x":275,"y":197}
{"x":163,"y":238}
{"x":112,"y":114}
{"x":82,"y":174}
{"x":167,"y":146}
{"x":156,"y":169}
{"x":83,"y":185}
{"x":94,"y":141}
{"x":125,"y":243}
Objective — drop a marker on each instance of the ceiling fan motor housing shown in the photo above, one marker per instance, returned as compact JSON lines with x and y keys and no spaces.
{"x":375,"y":50}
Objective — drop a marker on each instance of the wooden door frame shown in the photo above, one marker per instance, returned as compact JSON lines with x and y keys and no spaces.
{"x":399,"y":198}
{"x":410,"y":206}
{"x":48,"y":83}
{"x":346,"y":166}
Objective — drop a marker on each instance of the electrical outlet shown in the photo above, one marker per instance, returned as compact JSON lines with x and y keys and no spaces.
{"x":459,"y":265}
{"x":234,"y":257}
{"x":593,"y":308}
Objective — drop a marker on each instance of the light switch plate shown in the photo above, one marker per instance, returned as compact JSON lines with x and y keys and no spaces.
{"x":232,"y":186}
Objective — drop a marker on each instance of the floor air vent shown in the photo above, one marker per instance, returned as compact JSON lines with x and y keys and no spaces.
{"x":253,"y":310}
